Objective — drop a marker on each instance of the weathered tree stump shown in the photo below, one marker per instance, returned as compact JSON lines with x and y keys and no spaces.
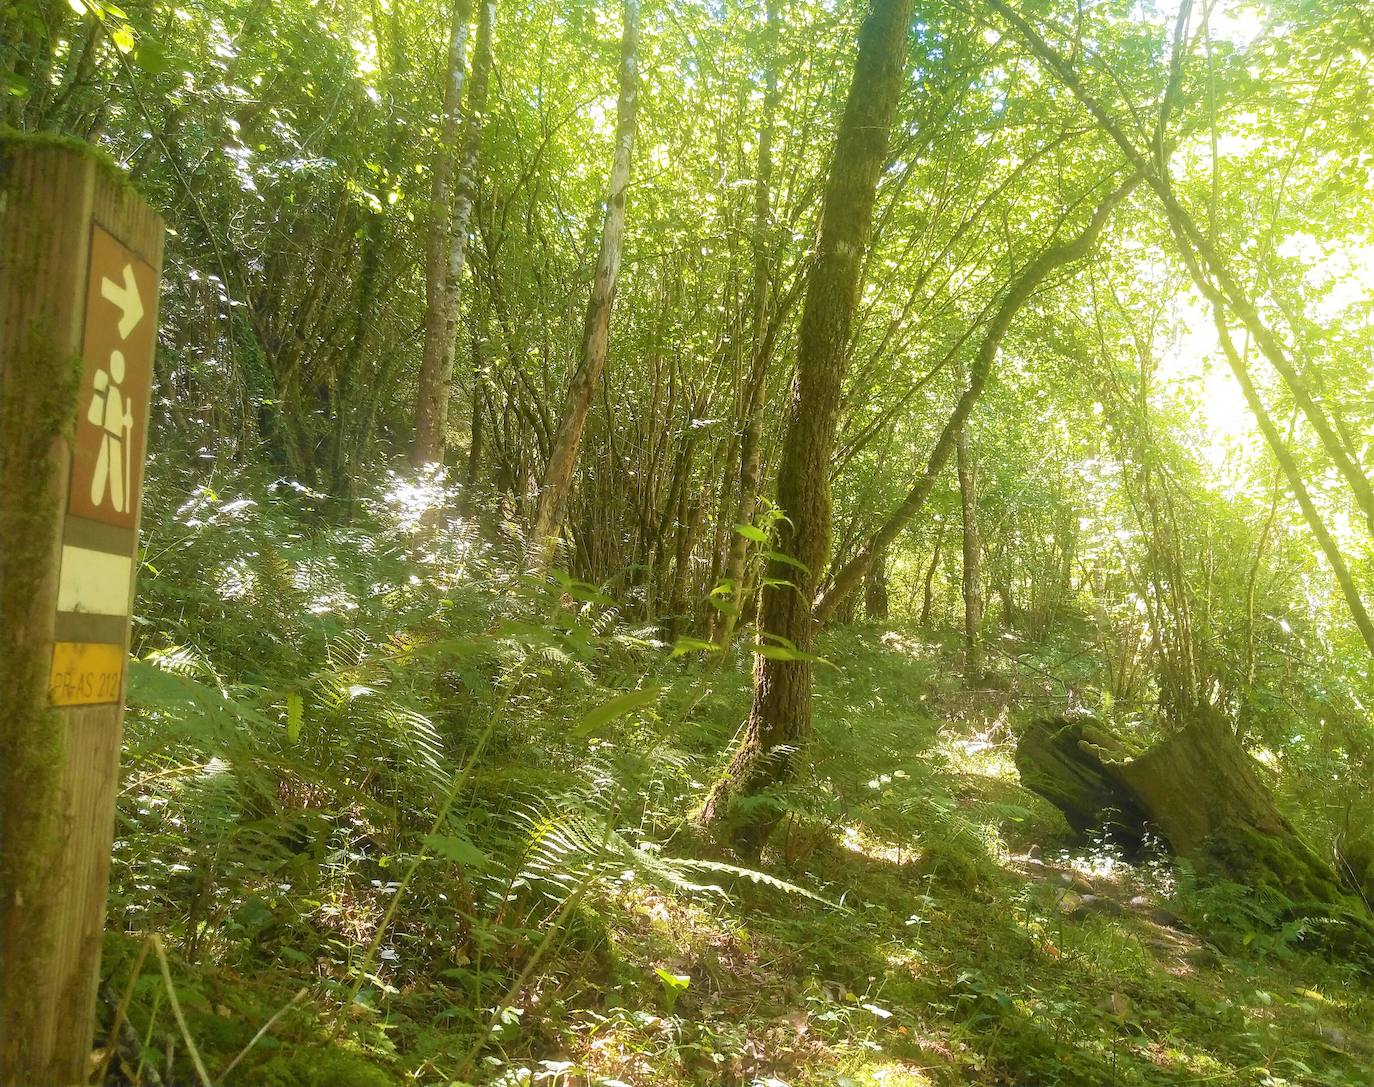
{"x":1066,"y":760}
{"x":1204,"y":793}
{"x":1205,"y":798}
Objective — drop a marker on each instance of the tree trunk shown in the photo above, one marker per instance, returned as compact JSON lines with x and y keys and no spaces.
{"x":688,"y":528}
{"x":876,"y":596}
{"x":928,"y":588}
{"x":751,"y":437}
{"x":1203,"y":793}
{"x":557,"y":481}
{"x":973,"y":554}
{"x":428,"y":426}
{"x":351,"y":407}
{"x":1329,"y":548}
{"x":1067,"y":762}
{"x":1018,"y":294}
{"x":781,"y":716}
{"x":436,"y":371}
{"x":481,"y":339}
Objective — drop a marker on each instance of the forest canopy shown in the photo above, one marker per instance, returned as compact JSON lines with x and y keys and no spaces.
{"x":670,"y":523}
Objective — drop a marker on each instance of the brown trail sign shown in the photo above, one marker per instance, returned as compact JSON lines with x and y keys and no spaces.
{"x":80,"y":260}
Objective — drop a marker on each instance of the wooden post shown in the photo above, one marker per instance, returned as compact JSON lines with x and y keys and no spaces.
{"x":80,"y":261}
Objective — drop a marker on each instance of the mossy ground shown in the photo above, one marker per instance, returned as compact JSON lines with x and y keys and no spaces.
{"x":960,"y":943}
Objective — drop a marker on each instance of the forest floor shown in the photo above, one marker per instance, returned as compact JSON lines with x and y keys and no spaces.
{"x":989,"y":951}
{"x":919,"y":920}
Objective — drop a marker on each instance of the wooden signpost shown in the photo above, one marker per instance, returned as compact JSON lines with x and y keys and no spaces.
{"x":80,"y":261}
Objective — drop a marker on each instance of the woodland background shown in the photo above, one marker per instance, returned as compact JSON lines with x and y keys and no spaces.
{"x":431,"y":811}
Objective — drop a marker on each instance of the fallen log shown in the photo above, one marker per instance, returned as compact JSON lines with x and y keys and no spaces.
{"x":1066,"y":760}
{"x":1203,"y":796}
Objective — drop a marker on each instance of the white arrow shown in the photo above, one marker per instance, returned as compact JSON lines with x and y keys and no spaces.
{"x":126,"y":298}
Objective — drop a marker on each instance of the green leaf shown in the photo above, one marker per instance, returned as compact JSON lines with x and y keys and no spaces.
{"x":456,"y":848}
{"x":617,"y":707}
{"x":754,"y":875}
{"x":787,"y":560}
{"x":775,"y":652}
{"x":693,"y":645}
{"x":749,"y":532}
{"x":676,"y":982}
{"x":786,"y":652}
{"x":295,"y":715}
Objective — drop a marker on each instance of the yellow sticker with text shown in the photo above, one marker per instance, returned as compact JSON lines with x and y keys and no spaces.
{"x":85,"y":673}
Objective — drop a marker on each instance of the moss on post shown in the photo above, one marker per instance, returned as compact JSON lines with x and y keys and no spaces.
{"x":58,"y":766}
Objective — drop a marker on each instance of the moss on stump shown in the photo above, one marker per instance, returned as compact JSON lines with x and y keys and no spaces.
{"x":1206,"y":798}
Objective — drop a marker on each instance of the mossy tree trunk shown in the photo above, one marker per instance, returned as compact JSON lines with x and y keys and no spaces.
{"x":877,"y":598}
{"x":1204,"y":792}
{"x":780,"y":720}
{"x":1066,"y":761}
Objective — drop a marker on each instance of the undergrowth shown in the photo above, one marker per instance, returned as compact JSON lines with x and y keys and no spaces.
{"x":400,"y":816}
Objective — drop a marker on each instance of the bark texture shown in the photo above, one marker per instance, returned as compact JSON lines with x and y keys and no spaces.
{"x":436,"y":372}
{"x":780,"y":719}
{"x":877,"y":598}
{"x":557,"y":481}
{"x":428,"y":426}
{"x":1066,"y":761}
{"x":1204,"y":795}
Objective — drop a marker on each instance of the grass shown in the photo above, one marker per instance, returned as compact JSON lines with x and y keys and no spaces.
{"x":952,"y":934}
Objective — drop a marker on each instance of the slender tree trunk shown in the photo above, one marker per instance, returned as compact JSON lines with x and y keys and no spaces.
{"x":876,"y":597}
{"x":1018,"y":294}
{"x":1002,"y":587}
{"x":1251,"y":582}
{"x":481,"y":338}
{"x":973,"y":554}
{"x":1289,"y":467}
{"x":350,"y":406}
{"x":436,"y":371}
{"x":688,"y":528}
{"x":557,"y":481}
{"x":465,"y":200}
{"x":781,"y":716}
{"x":438,"y":245}
{"x":751,"y":440}
{"x":928,"y":589}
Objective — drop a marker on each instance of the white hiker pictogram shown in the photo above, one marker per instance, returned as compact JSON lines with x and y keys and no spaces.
{"x":109,"y":410}
{"x":115,"y":418}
